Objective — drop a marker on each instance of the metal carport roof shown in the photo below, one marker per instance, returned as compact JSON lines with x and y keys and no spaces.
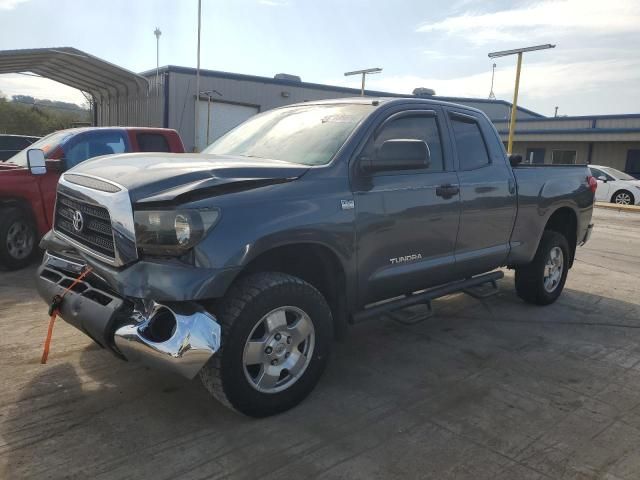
{"x":76,"y":69}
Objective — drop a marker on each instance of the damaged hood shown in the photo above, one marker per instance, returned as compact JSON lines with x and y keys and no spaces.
{"x":165,"y":177}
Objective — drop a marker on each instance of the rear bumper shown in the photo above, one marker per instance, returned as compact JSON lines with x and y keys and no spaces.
{"x":587,"y":234}
{"x":178,"y":336}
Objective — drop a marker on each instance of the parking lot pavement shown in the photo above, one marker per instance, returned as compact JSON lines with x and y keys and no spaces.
{"x":492,"y":389}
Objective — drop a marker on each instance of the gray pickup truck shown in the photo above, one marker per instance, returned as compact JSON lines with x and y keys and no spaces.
{"x":243,"y":263}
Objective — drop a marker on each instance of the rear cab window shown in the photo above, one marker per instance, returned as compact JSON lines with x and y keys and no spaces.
{"x":469,"y":141}
{"x":152,"y":142}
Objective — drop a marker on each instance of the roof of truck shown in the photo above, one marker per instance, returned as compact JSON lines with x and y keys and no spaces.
{"x":378,"y":101}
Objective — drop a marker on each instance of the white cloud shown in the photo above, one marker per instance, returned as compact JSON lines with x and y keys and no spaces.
{"x":443,"y":55}
{"x":549,"y":19}
{"x":538,"y":80}
{"x":10,"y":4}
{"x":274,"y":3}
{"x":16,"y":84}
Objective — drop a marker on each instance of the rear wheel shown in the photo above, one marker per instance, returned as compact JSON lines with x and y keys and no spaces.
{"x":623,"y":198}
{"x":276,"y":336}
{"x":541,"y":282}
{"x":18,"y":238}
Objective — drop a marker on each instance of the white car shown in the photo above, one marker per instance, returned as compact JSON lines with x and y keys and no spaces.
{"x":615,"y":186}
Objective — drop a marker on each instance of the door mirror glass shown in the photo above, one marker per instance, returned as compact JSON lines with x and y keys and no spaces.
{"x":515,"y":159}
{"x":399,"y":154}
{"x":602,"y":178}
{"x":36,"y":161}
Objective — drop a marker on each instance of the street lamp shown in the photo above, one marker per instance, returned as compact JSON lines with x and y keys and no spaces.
{"x":364,"y":73}
{"x":157,"y":33}
{"x":492,"y":96}
{"x":519,"y":51}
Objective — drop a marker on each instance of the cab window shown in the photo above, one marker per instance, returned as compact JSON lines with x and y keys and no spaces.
{"x":93,"y":144}
{"x":415,"y":127}
{"x":152,"y":142}
{"x":470,"y":145}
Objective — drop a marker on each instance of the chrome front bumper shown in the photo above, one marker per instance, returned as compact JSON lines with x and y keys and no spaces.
{"x":179,"y":337}
{"x":194,"y":338}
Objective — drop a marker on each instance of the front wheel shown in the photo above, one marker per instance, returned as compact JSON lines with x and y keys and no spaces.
{"x":18,"y":239}
{"x":541,"y":282}
{"x":623,"y":198}
{"x":276,"y":337}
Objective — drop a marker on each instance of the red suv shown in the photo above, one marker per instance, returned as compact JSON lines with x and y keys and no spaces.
{"x":27,"y":196}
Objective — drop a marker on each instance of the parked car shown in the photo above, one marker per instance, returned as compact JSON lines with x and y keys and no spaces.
{"x":240,"y":264}
{"x":615,"y":186}
{"x":12,"y":144}
{"x":27,"y":195}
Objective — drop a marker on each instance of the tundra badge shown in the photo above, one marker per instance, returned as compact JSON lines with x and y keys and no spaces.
{"x":406,"y":258}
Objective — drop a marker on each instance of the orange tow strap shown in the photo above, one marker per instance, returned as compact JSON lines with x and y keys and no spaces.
{"x":53,"y":312}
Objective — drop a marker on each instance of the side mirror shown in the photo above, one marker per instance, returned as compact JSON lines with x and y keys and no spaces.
{"x":602,"y":178}
{"x":399,"y":154}
{"x":515,"y":159}
{"x":36,"y":161}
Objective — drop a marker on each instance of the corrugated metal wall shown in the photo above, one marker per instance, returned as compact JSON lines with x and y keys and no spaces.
{"x":144,"y":109}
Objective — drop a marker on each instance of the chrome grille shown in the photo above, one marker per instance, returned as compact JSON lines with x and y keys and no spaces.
{"x":95,"y":232}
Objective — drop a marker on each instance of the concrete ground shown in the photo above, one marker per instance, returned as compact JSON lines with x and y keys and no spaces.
{"x":492,"y":389}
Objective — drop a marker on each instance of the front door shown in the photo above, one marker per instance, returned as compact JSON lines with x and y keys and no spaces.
{"x":604,"y":185}
{"x":406,"y":221}
{"x":487,"y":194}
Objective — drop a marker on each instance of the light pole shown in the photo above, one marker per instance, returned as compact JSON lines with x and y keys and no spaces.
{"x":364,"y":73}
{"x":514,"y":106}
{"x":157,"y":33}
{"x":196,"y":136}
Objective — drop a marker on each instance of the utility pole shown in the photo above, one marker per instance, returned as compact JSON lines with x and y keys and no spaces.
{"x":364,"y":73}
{"x":196,"y":136}
{"x":555,"y":114}
{"x":514,"y":106}
{"x":492,"y":95}
{"x":157,"y":33}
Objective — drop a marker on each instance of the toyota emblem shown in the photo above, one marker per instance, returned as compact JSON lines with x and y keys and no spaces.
{"x":78,"y":221}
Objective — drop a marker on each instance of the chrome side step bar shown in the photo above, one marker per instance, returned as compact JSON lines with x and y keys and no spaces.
{"x":425,"y":297}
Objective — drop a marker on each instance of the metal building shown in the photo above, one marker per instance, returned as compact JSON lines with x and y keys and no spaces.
{"x":227,"y":99}
{"x":611,"y":140}
{"x":168,"y":98}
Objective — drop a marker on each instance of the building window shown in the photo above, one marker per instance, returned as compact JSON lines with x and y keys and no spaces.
{"x":633,"y":163}
{"x":566,"y":157}
{"x":535,"y":155}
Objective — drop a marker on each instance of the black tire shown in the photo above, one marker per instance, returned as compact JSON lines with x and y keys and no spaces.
{"x":247,"y":302}
{"x":18,"y":238}
{"x":623,"y":194}
{"x":530,"y":279}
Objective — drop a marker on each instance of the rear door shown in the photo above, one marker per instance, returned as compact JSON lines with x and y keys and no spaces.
{"x":406,"y":222}
{"x":604,"y":186}
{"x":487,"y":193}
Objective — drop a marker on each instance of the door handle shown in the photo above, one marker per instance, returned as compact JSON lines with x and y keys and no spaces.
{"x":512,"y":186}
{"x":447,"y":190}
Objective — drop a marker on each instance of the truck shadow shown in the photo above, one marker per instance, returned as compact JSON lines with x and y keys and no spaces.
{"x":102,"y":418}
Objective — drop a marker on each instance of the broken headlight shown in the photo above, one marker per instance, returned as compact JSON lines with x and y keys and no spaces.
{"x":172,"y":232}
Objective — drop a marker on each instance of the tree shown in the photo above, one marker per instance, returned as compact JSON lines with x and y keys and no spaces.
{"x":26,"y":115}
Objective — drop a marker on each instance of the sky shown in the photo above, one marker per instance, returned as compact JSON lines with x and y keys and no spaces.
{"x":594,"y":68}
